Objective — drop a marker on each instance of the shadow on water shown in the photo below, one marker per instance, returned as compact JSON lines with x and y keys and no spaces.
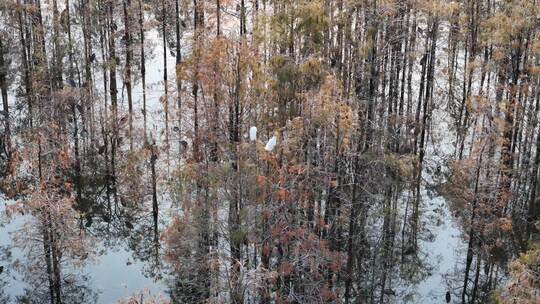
{"x":101,"y":250}
{"x":110,"y":249}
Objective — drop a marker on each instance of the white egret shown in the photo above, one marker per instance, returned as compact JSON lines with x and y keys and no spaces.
{"x":253,"y":133}
{"x":271,"y":144}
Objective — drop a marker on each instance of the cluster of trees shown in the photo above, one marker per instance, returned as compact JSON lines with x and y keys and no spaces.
{"x":293,"y":137}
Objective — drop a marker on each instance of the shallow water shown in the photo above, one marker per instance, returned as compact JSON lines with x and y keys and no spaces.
{"x":117,"y":271}
{"x":113,"y":273}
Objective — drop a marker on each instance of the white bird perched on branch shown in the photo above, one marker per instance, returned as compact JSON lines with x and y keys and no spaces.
{"x":271,"y":144}
{"x":253,"y":133}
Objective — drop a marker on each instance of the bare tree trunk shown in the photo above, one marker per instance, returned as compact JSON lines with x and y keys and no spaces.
{"x":4,"y":90}
{"x":165,"y":82}
{"x":25,"y":62}
{"x":143,"y":64}
{"x":127,"y":73}
{"x":113,"y":61}
{"x":178,"y":77}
